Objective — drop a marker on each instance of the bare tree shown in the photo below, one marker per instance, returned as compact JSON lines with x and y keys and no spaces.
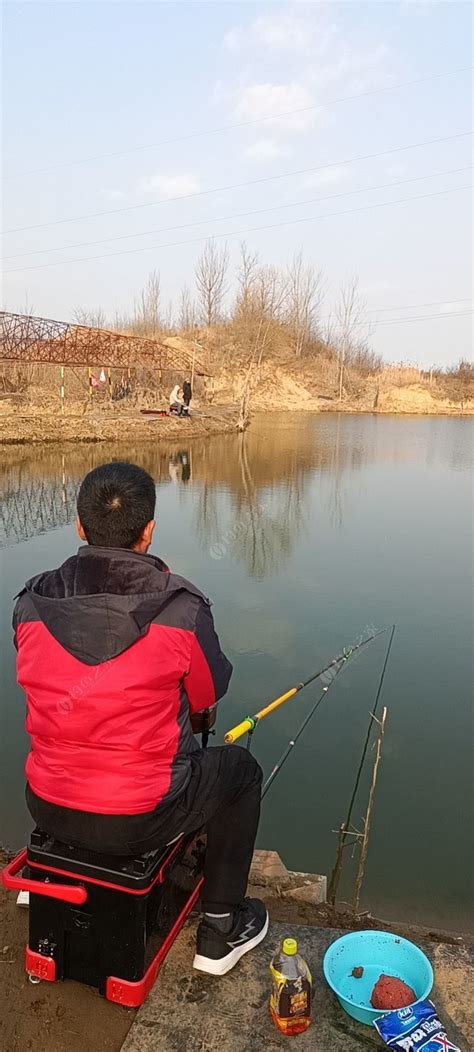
{"x":94,"y":319}
{"x":267,"y":301}
{"x":187,"y":310}
{"x":350,"y":316}
{"x":306,"y":288}
{"x":246,"y":278}
{"x":147,"y":306}
{"x":458,"y":381}
{"x":270,"y":292}
{"x":211,"y":280}
{"x":168,"y":317}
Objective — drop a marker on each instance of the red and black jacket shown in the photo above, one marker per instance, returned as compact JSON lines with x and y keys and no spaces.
{"x":114,"y":651}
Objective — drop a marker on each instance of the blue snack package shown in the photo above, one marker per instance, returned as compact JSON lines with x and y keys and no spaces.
{"x":413,"y":1029}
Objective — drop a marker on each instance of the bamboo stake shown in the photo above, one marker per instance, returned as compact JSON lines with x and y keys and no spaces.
{"x":336,"y":873}
{"x":62,"y":390}
{"x":368,"y":817}
{"x":345,"y":830}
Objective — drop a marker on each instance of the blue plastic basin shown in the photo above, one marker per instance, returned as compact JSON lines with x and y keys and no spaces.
{"x":377,"y":952}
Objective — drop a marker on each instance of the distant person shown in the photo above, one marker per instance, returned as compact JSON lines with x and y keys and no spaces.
{"x":186,"y":465}
{"x":176,"y":403}
{"x":187,"y":393}
{"x":120,"y":663}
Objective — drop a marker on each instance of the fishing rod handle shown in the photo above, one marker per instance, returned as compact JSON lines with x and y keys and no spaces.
{"x":248,"y":724}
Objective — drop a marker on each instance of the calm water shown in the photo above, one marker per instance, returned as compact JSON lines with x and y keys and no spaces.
{"x":307,"y":533}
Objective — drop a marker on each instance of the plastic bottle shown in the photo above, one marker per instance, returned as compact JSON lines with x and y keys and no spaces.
{"x":290,"y":1000}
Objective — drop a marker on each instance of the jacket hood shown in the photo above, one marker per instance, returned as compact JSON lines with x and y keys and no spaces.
{"x":100,"y":601}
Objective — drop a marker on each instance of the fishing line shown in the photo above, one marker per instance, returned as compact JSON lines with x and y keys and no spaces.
{"x":278,"y":766}
{"x":340,"y":661}
{"x":284,"y":756}
{"x":344,"y":829}
{"x":249,"y":724}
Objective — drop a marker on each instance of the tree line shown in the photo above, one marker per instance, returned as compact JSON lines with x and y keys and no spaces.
{"x":271,"y":305}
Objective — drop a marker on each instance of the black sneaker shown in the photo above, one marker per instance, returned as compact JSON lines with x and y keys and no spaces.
{"x":217,"y":952}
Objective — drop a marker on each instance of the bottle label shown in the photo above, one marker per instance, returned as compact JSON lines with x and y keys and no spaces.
{"x":291,"y":998}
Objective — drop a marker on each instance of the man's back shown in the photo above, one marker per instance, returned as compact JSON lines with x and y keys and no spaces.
{"x":113,"y":653}
{"x":116,"y":656}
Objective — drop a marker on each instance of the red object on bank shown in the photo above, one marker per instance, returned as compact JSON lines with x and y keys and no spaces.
{"x":390,"y":993}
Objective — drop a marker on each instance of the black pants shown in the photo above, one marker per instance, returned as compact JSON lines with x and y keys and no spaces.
{"x":222,"y":796}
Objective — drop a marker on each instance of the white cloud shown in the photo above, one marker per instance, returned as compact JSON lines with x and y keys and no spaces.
{"x":168,"y":186}
{"x":233,"y":39}
{"x":265,"y":150}
{"x":267,"y":100}
{"x":282,"y":31}
{"x":350,"y":70}
{"x":114,"y":195}
{"x":316,"y":59}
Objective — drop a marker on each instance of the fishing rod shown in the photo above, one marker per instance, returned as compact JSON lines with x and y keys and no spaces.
{"x":249,"y":724}
{"x":285,"y":754}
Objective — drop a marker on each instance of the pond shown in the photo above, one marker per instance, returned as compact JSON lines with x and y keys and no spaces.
{"x":308,"y":533}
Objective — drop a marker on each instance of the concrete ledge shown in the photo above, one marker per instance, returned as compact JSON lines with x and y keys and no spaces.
{"x":268,"y":871}
{"x":190,"y":1012}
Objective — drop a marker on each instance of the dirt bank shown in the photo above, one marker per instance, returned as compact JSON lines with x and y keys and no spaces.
{"x":49,"y":1017}
{"x":283,"y":387}
{"x":30,"y":407}
{"x":34,"y":426}
{"x":53,"y":1017}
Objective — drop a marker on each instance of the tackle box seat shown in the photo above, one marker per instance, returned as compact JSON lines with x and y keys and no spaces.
{"x":124,"y":871}
{"x":104,"y":920}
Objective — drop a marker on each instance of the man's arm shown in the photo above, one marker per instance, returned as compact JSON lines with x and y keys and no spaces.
{"x":209,"y":670}
{"x":16,"y":618}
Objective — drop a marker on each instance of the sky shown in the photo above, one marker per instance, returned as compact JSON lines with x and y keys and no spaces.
{"x":159,"y":89}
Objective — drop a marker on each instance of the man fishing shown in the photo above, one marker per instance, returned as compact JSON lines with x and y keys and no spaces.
{"x":120,"y":663}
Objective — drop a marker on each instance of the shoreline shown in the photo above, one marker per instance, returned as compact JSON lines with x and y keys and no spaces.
{"x":37,"y":428}
{"x":32,"y":429}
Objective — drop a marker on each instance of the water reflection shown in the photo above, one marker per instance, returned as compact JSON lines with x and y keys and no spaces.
{"x":33,"y":503}
{"x":263,"y":519}
{"x":249,"y":491}
{"x":179,"y":467}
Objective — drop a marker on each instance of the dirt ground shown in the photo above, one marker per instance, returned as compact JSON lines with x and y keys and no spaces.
{"x":49,"y":1017}
{"x":69,"y":1017}
{"x":282,"y":386}
{"x":32,"y":424}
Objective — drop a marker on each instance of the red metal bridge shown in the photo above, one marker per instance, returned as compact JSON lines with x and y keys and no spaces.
{"x":25,"y":338}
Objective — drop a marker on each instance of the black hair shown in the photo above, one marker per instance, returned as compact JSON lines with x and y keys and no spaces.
{"x":114,"y":504}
